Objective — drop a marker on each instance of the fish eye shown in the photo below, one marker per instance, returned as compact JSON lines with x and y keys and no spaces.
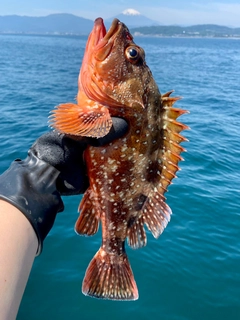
{"x":132,"y":54}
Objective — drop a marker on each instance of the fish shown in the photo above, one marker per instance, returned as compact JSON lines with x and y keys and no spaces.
{"x":129,"y":176}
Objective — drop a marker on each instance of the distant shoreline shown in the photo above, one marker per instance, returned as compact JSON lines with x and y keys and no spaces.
{"x":136,"y":34}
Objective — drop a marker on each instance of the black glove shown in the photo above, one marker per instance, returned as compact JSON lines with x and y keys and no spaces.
{"x":54,"y":166}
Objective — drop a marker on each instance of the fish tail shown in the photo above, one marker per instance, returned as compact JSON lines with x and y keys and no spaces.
{"x":109,"y":276}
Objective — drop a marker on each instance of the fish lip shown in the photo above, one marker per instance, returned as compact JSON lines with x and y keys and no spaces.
{"x":112,"y":30}
{"x":104,"y":35}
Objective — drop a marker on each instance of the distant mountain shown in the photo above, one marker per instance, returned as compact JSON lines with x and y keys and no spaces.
{"x":132,"y":18}
{"x":203,"y":30}
{"x":137,"y":23}
{"x":53,"y":23}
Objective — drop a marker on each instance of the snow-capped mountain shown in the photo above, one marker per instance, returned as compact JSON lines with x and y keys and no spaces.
{"x":132,"y":18}
{"x":131,"y":12}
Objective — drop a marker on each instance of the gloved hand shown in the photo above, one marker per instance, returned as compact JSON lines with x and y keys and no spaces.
{"x":54,"y":167}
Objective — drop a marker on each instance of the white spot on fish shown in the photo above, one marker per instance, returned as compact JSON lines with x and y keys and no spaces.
{"x":124,"y":148}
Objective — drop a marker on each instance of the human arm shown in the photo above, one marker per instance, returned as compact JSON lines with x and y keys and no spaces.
{"x":18,"y":246}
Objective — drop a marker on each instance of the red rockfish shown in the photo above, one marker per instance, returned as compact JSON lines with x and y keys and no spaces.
{"x":129,"y":176}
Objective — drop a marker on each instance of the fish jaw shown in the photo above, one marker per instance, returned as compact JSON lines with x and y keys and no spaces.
{"x":99,"y":46}
{"x":100,"y":38}
{"x":105,"y":39}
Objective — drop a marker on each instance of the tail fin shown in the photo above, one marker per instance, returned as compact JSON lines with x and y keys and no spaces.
{"x":109,"y":276}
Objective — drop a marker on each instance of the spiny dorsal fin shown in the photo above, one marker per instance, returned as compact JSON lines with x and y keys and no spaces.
{"x":155,"y":212}
{"x":172,"y":138}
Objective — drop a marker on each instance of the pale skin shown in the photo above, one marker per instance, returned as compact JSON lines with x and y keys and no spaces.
{"x":18,"y":247}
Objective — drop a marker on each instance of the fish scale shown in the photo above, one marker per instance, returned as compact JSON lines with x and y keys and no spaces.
{"x":129,"y":176}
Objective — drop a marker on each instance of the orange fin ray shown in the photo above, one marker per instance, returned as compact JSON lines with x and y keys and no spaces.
{"x":156,"y":213}
{"x":176,"y":126}
{"x":176,"y":137}
{"x":109,"y":276}
{"x":90,"y":120}
{"x":88,"y":221}
{"x":167,"y":94}
{"x":136,"y":234}
{"x":174,"y":113}
{"x":174,"y":147}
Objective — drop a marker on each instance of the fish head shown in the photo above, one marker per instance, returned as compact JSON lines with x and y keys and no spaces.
{"x":114,"y":71}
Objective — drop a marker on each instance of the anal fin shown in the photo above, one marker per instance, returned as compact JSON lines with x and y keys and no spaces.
{"x":88,"y":221}
{"x":136,"y":234}
{"x":109,"y":276}
{"x":156,"y":213}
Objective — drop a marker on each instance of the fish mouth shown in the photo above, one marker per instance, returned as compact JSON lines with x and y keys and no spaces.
{"x":103,"y":40}
{"x":99,"y":46}
{"x":102,"y":35}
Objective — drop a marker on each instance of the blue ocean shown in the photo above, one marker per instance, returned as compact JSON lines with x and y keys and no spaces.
{"x":192,"y":272}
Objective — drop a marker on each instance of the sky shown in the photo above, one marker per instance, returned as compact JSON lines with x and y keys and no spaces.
{"x":167,"y":12}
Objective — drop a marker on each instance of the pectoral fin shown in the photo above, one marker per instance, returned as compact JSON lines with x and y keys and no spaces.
{"x":88,"y":119}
